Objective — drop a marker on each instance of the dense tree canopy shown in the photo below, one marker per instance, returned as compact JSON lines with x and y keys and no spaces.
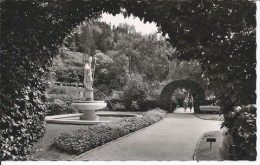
{"x":220,"y":34}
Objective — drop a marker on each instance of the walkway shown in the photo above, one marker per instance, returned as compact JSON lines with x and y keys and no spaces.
{"x":173,"y":138}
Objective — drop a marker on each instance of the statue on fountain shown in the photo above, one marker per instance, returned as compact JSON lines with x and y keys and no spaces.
{"x":88,"y":79}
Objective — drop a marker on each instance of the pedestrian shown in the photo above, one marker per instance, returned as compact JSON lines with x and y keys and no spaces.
{"x":185,"y":104}
{"x":190,"y":103}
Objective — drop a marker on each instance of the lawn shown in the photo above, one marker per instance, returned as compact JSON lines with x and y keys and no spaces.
{"x":43,"y":149}
{"x":204,"y":152}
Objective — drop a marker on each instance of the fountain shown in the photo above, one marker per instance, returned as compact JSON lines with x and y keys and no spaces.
{"x":88,"y":105}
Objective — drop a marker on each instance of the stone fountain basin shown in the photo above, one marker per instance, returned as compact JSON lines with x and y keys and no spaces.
{"x":88,"y":105}
{"x":70,"y":118}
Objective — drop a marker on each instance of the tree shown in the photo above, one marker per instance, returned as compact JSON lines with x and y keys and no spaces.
{"x":127,"y":45}
{"x":110,"y":73}
{"x":153,"y":58}
{"x":103,"y":36}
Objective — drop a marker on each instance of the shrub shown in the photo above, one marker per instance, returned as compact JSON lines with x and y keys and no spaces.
{"x":68,"y":99}
{"x":114,"y":101}
{"x":241,"y":127}
{"x":84,"y":139}
{"x":59,"y":107}
{"x":134,"y":91}
{"x":118,"y":107}
{"x":134,"y":106}
{"x":57,"y":90}
{"x":148,"y":104}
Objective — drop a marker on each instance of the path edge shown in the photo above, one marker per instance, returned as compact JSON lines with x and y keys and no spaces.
{"x":203,"y":118}
{"x":194,"y":157}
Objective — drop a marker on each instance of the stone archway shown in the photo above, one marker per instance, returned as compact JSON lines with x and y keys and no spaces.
{"x":196,"y":90}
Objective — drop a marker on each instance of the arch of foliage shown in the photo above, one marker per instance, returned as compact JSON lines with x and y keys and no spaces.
{"x":219,"y":34}
{"x":194,"y":87}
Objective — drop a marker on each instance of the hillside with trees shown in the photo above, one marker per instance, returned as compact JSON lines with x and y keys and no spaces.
{"x":122,"y":55}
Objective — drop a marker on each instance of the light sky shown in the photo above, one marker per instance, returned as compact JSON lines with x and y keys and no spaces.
{"x":139,"y":25}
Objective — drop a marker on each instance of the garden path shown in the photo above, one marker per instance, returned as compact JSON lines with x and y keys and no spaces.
{"x":173,"y":138}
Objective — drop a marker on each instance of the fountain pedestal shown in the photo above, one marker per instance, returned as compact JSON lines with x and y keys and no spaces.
{"x":89,"y":106}
{"x":88,"y":95}
{"x":89,"y":115}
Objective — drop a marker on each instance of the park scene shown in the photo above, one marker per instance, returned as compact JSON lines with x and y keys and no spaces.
{"x":103,"y":80}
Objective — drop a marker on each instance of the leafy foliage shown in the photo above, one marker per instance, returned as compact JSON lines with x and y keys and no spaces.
{"x":242,"y":128}
{"x":135,"y":90}
{"x":82,"y":140}
{"x":58,"y":107}
{"x":118,"y":107}
{"x":110,"y":74}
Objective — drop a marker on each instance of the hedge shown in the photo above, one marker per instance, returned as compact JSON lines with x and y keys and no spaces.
{"x":84,"y":139}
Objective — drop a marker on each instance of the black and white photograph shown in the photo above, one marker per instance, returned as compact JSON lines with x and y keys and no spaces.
{"x":90,"y":81}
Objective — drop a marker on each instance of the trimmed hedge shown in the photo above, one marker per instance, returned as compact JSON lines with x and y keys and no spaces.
{"x":148,"y":104}
{"x":82,"y":140}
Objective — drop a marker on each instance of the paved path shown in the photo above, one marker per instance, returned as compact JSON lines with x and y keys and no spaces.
{"x":173,"y":138}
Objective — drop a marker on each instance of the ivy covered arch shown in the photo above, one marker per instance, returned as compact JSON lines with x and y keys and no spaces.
{"x":195,"y":88}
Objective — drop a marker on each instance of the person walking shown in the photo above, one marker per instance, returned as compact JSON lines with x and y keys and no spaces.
{"x":190,"y":102}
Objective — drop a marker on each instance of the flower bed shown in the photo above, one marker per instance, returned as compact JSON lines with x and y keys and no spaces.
{"x":82,"y":140}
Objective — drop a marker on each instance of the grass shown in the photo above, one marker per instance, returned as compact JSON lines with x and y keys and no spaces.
{"x":43,"y":149}
{"x":204,"y":152}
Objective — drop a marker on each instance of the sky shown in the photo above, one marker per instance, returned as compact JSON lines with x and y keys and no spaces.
{"x":139,"y":25}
